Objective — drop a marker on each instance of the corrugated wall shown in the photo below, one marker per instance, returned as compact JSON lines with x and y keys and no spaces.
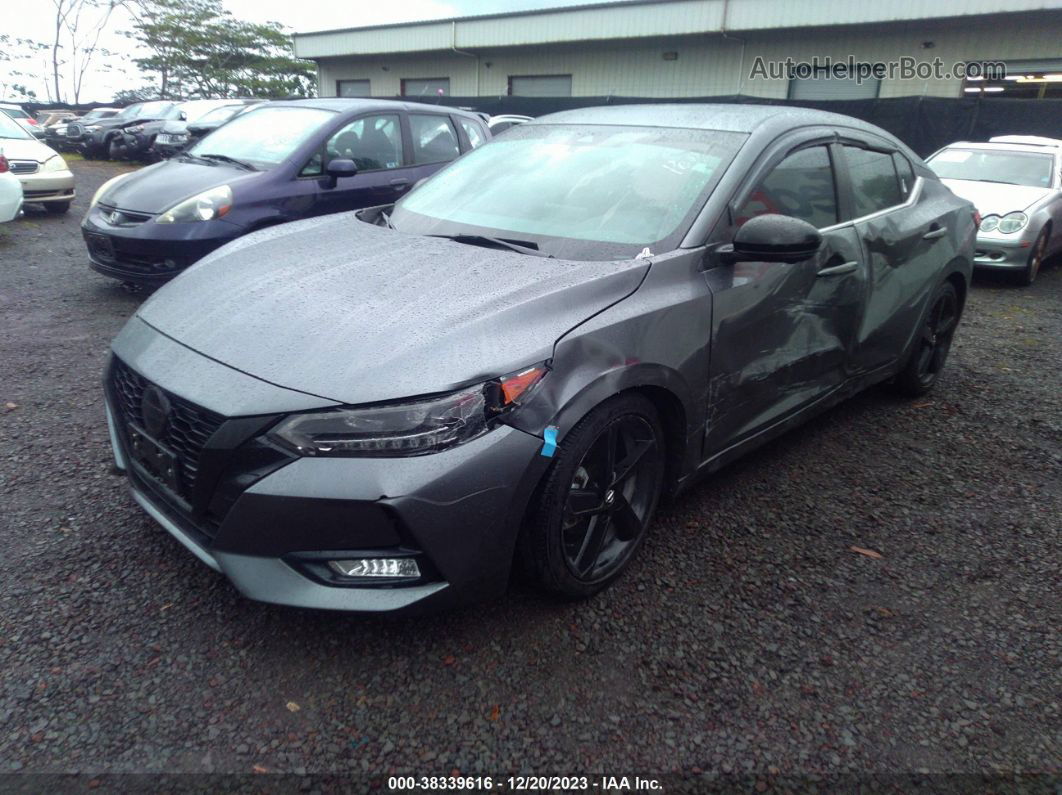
{"x":709,"y":65}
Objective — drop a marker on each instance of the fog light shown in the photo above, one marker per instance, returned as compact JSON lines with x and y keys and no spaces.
{"x":376,"y":567}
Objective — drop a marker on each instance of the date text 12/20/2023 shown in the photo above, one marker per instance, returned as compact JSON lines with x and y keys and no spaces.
{"x":524,"y":783}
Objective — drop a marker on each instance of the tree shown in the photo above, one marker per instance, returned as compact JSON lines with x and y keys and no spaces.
{"x":197,"y":49}
{"x":79,"y":25}
{"x":19,"y":59}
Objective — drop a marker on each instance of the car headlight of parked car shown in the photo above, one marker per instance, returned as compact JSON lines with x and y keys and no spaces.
{"x":92,"y":128}
{"x":1013,"y":222}
{"x":55,"y":163}
{"x":206,"y":206}
{"x":136,"y":128}
{"x":409,"y":428}
{"x":104,"y":188}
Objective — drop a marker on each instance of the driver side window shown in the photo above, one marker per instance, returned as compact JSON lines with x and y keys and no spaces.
{"x":372,"y":142}
{"x":801,"y":186}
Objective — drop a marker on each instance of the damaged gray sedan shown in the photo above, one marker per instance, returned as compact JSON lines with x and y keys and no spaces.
{"x":389,"y":410}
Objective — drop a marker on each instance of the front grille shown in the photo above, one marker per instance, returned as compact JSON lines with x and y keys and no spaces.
{"x":188,"y":429}
{"x":24,"y":166}
{"x":123,"y":217}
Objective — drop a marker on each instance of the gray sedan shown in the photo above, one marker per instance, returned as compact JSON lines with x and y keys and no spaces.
{"x":386,"y":410}
{"x":1015,"y":181}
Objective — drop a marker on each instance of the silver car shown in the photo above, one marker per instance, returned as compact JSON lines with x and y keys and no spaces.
{"x":1015,"y":181}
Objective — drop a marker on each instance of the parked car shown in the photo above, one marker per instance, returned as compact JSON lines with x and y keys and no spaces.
{"x":380,"y":411}
{"x":42,"y":172}
{"x":1016,"y":183}
{"x":10,"y":190}
{"x":280,"y":162}
{"x":137,"y":141}
{"x":499,"y":124}
{"x":46,"y":118}
{"x":57,"y":135}
{"x":27,"y":122}
{"x":98,"y":138}
{"x":179,"y":134}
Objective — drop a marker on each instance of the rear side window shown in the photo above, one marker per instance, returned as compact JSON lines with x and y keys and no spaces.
{"x":434,"y":138}
{"x":875,"y":186}
{"x":801,"y":186}
{"x":473,"y":131}
{"x":904,"y":172}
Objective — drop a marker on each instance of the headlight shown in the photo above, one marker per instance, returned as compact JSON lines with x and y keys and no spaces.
{"x":989,"y":223}
{"x":54,"y":164}
{"x":135,"y":128}
{"x":208,"y":205}
{"x":92,"y":128}
{"x":411,"y":428}
{"x":104,"y":188}
{"x":1013,"y":222}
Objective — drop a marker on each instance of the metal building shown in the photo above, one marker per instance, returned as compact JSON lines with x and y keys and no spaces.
{"x":676,"y":48}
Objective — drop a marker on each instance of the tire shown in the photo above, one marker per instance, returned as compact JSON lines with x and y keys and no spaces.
{"x":583,"y":528}
{"x":115,"y":151}
{"x":1036,"y":258}
{"x":930,"y":352}
{"x":57,"y":208}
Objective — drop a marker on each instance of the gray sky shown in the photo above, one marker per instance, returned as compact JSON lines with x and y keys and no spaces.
{"x":35,"y":20}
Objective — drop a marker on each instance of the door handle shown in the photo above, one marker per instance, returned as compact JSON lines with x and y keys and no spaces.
{"x":838,"y":270}
{"x":935,"y":233}
{"x":401,"y":184}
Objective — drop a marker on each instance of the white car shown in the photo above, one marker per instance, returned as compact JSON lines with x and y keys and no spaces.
{"x":24,"y":120}
{"x":10,"y":192}
{"x":1015,"y":182}
{"x":46,"y":179}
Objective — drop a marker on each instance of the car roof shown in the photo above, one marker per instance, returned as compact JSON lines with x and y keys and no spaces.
{"x":725,"y":117}
{"x":343,"y":105}
{"x":996,"y":145}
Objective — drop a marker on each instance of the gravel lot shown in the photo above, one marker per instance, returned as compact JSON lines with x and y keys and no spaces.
{"x":747,"y":640}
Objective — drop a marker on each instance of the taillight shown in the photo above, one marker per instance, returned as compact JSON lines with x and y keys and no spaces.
{"x":4,"y":166}
{"x":977,"y":219}
{"x":32,"y":121}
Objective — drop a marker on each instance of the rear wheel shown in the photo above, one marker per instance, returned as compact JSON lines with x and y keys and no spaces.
{"x":930,"y":352}
{"x":1036,"y":258}
{"x":591,"y":513}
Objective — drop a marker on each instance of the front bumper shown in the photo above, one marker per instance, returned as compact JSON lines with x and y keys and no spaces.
{"x":267,"y":517}
{"x":48,"y":186}
{"x":1006,"y":253}
{"x":136,"y":249}
{"x":132,"y":146}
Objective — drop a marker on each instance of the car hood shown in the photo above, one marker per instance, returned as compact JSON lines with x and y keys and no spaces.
{"x":157,"y":188}
{"x":174,"y":126}
{"x":993,"y":198}
{"x":25,"y":149}
{"x":358,"y":314}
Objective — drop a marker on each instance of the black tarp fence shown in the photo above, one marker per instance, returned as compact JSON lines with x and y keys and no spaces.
{"x":923,"y":123}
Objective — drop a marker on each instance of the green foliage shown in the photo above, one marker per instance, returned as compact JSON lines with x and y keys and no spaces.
{"x":198,"y":49}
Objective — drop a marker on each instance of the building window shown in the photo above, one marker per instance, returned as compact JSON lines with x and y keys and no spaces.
{"x":353,"y":88}
{"x":426,"y":87}
{"x":540,"y":85}
{"x":824,"y":85}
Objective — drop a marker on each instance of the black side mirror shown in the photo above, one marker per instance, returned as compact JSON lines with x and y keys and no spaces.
{"x":773,"y":238}
{"x":340,"y":167}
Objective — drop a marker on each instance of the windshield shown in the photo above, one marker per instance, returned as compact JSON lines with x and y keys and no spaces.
{"x":15,"y":113}
{"x":983,"y":165}
{"x":264,"y":137}
{"x":220,"y":114}
{"x":156,"y":110}
{"x":97,"y":114}
{"x":578,"y":192}
{"x":9,"y":128}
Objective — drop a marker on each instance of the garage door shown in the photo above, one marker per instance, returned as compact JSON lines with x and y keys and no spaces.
{"x":821,"y":86}
{"x":540,"y":85}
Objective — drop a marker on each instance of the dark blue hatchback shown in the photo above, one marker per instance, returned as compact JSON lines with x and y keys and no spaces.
{"x":280,"y":162}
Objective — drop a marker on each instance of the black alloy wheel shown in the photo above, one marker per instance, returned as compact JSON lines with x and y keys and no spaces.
{"x":598,"y":499}
{"x":933,"y":343}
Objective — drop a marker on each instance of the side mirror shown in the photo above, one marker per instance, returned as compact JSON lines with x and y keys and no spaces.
{"x":773,"y":238}
{"x":338,"y":168}
{"x":184,"y":116}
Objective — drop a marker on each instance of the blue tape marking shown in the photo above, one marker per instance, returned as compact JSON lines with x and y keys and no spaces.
{"x":549,"y":444}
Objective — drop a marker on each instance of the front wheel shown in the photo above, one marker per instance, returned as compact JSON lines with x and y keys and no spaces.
{"x":930,"y":352}
{"x":591,"y":513}
{"x":1036,"y":258}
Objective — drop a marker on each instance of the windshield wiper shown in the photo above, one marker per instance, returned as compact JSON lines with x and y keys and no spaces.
{"x":999,"y":181}
{"x":386,"y":219}
{"x":479,"y":240}
{"x":227,"y":159}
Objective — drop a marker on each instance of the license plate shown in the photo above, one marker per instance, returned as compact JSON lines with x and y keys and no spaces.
{"x":159,"y":462}
{"x":100,"y":245}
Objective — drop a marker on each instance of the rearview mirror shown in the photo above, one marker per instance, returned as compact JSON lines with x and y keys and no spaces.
{"x":340,"y":167}
{"x":773,"y":238}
